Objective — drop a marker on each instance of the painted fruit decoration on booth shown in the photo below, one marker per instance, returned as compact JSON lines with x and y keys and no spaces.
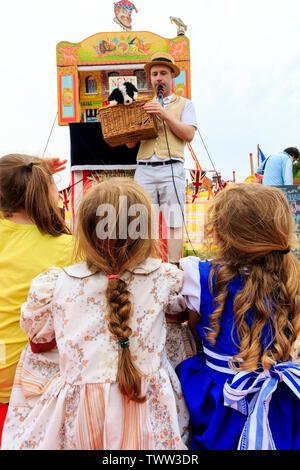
{"x":67,"y":97}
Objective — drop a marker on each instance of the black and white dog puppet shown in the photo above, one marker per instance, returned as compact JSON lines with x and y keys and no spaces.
{"x":125,"y":94}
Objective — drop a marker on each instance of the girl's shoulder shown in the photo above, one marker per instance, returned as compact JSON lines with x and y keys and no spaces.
{"x":78,"y":270}
{"x":59,"y":244}
{"x":149,"y":266}
{"x":154,"y":268}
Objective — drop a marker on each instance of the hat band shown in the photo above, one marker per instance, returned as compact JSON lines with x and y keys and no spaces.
{"x":162,"y":59}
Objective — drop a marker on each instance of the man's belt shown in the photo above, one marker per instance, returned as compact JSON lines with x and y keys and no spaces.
{"x":168,"y":162}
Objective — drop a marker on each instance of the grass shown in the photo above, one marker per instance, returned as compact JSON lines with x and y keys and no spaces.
{"x":206,"y":252}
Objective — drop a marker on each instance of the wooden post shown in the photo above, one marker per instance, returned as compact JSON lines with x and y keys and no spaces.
{"x":233,"y":176}
{"x":251,"y":164}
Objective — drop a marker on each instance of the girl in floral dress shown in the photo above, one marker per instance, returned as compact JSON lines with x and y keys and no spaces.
{"x":115,"y":388}
{"x":243,"y":388}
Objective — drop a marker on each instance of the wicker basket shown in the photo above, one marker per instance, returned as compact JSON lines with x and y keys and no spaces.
{"x":125,"y":124}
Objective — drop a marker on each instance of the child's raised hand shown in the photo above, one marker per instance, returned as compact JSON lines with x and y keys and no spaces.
{"x":55,"y":164}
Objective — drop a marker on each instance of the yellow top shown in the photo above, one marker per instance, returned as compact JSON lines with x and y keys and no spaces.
{"x":24,"y":253}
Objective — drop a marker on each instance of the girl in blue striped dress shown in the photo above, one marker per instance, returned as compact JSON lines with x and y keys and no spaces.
{"x":242,"y":389}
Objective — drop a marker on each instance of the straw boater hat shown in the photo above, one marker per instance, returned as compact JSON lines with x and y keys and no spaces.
{"x":162,"y":58}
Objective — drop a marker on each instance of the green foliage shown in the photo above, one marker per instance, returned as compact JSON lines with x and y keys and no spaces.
{"x":296,"y":169}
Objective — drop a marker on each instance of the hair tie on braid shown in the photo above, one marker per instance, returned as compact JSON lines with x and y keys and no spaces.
{"x":285,"y":252}
{"x":124,"y":343}
{"x":113,"y":276}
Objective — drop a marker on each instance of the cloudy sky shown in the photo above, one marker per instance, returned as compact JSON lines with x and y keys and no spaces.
{"x":245,"y":72}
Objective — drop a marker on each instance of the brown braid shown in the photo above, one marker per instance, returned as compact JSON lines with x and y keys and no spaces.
{"x":120,"y":309}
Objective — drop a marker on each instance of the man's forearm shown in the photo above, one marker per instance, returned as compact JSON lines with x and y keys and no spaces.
{"x":184,"y":131}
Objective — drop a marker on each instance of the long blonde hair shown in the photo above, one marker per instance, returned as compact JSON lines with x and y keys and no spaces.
{"x":253,"y":225}
{"x":112,"y":253}
{"x":25,"y":184}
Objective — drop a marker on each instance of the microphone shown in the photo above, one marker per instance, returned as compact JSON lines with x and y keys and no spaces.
{"x":160,"y":94}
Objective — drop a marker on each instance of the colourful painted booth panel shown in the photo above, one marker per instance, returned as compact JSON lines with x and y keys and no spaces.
{"x":97,"y":58}
{"x":133,"y":46}
{"x":68,"y":99}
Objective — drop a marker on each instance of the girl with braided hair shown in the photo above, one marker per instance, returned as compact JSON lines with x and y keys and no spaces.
{"x":243,"y":389}
{"x":115,"y":388}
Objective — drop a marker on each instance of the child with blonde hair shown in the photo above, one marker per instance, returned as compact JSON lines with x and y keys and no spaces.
{"x":115,"y":388}
{"x":243,"y":389}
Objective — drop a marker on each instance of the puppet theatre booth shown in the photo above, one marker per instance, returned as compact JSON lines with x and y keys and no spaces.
{"x":87,"y":72}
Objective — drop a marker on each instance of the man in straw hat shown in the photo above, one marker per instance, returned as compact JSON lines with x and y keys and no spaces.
{"x":160,"y":161}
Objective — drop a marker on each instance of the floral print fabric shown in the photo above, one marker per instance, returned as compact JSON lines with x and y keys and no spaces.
{"x":77,"y":404}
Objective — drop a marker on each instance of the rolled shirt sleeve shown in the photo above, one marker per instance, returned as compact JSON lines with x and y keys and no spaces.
{"x":189,"y":114}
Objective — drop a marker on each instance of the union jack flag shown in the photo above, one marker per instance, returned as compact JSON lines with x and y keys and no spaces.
{"x":197,"y":179}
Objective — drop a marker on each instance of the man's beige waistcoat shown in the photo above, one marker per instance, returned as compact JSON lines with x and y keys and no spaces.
{"x":159,"y":145}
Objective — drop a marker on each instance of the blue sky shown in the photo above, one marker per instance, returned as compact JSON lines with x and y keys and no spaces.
{"x":245,"y":72}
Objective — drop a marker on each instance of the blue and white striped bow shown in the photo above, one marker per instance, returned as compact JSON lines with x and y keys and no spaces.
{"x":256,"y":434}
